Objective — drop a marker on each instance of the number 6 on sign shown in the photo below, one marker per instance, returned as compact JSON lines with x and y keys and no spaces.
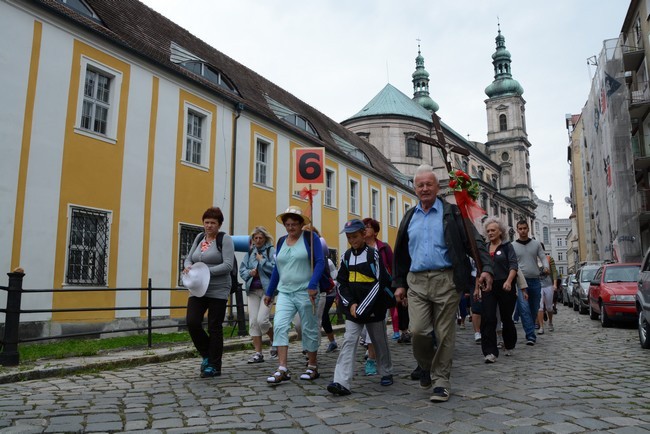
{"x":309,"y":168}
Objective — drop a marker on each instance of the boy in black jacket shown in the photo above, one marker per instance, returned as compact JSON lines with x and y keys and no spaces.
{"x":364,"y":290}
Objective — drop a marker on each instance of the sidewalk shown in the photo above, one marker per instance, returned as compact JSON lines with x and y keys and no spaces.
{"x":116,"y":359}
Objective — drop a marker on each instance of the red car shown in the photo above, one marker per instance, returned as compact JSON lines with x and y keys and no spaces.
{"x":612,"y":292}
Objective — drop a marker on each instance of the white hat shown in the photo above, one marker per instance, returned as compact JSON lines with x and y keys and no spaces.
{"x":197,"y":279}
{"x":294,"y":210}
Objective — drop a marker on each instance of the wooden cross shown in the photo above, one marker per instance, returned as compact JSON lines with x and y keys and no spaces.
{"x":440,"y":142}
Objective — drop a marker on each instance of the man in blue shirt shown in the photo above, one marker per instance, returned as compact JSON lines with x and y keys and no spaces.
{"x":432,"y":268}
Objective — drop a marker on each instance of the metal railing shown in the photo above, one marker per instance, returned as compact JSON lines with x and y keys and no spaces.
{"x":9,"y":355}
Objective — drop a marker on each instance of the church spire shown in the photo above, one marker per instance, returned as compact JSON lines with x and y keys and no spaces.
{"x":421,"y":84}
{"x":503,"y":83}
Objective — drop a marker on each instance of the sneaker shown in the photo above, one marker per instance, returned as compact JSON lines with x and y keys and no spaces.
{"x":415,"y":375}
{"x":477,"y":337}
{"x":274,"y":353}
{"x":530,"y":343}
{"x":279,"y":376}
{"x":362,"y":342}
{"x":440,"y":394}
{"x":396,"y":336}
{"x":386,"y":380}
{"x":554,"y":310}
{"x":490,"y":358}
{"x":462,"y":326}
{"x":540,"y":331}
{"x":425,"y":379}
{"x":210,"y":371}
{"x":338,"y":389}
{"x":508,"y":353}
{"x":405,"y":338}
{"x":256,"y":358}
{"x":332,"y":347}
{"x":204,"y":364}
{"x":536,"y":326}
{"x":551,"y":328}
{"x":371,"y":367}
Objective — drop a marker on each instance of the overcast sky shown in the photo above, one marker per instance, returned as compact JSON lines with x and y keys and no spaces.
{"x":337,"y":55}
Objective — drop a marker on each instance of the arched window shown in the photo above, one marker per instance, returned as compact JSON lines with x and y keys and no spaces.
{"x":503,"y":122}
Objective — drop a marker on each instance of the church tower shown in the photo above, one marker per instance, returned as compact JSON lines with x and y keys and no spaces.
{"x":421,"y":85}
{"x":507,"y":141}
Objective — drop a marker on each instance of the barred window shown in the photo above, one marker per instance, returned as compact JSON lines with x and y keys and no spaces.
{"x":187,"y":235}
{"x":88,"y":247}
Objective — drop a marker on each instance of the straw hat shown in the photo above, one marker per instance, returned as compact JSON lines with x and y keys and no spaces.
{"x":295,"y":211}
{"x":197,"y":279}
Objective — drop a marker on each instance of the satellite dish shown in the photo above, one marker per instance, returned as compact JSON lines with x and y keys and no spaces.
{"x":568,"y":200}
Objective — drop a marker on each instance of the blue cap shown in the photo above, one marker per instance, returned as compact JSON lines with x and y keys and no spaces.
{"x":354,"y":225}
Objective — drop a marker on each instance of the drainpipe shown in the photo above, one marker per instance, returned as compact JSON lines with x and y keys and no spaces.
{"x":239,"y":107}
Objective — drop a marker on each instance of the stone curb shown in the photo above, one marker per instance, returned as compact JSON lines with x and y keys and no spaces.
{"x":118,"y":359}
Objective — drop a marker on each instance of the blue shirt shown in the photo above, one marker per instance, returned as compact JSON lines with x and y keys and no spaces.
{"x":427,"y":246}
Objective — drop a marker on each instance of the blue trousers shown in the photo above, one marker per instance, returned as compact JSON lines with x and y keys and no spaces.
{"x":528,"y":308}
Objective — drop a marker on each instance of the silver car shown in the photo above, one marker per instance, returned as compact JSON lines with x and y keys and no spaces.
{"x":580,"y":294}
{"x":642,"y":301}
{"x":567,"y":290}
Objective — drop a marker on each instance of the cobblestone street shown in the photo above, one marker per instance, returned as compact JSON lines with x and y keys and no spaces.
{"x":580,"y":378}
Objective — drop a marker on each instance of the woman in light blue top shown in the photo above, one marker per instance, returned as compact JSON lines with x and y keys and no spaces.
{"x":296,"y":278}
{"x":256,"y":269}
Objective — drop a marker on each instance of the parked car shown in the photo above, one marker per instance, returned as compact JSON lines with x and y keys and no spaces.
{"x":642,"y":302}
{"x":612,"y":293}
{"x":580,"y":293}
{"x":567,"y":290}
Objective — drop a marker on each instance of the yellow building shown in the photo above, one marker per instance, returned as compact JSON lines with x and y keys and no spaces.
{"x":120,"y":128}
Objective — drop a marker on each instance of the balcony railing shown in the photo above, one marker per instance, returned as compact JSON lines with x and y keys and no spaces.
{"x":639,"y":99}
{"x":633,"y":49}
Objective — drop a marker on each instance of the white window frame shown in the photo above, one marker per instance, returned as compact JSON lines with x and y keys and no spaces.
{"x":354,"y":191}
{"x":206,"y":130}
{"x":374,"y":204}
{"x":330,"y":190}
{"x":392,"y":211}
{"x":112,"y":104}
{"x":109,"y":224}
{"x":268,"y":164}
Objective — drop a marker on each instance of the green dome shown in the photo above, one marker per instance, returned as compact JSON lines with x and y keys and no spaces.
{"x":426,"y":102}
{"x":503,"y":87}
{"x":503,"y":83}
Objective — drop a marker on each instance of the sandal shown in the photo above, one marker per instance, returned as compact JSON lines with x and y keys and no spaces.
{"x":279,"y":376}
{"x":310,"y":374}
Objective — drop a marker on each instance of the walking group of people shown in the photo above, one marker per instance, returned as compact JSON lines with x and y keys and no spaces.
{"x":421,"y":285}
